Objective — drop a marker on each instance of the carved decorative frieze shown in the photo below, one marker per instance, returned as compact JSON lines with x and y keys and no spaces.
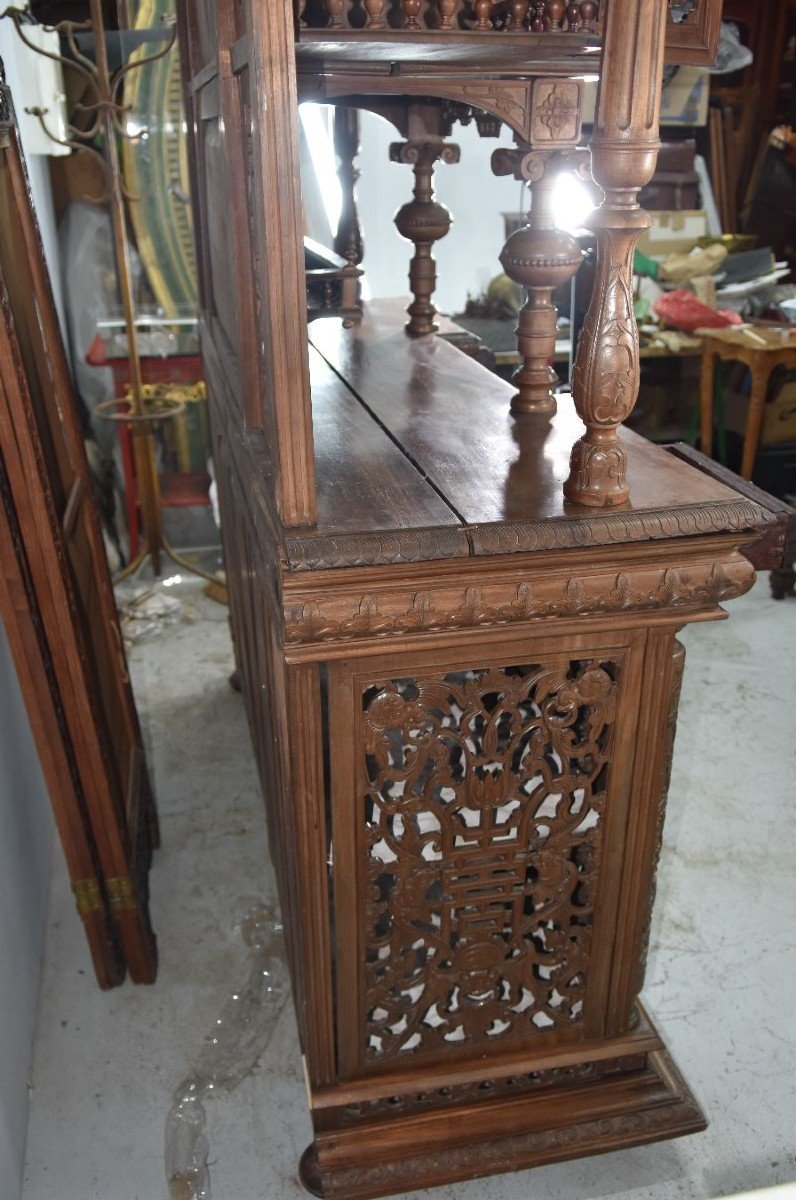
{"x":703,"y":585}
{"x":516,"y":1084}
{"x":462,"y":1158}
{"x":320,"y":552}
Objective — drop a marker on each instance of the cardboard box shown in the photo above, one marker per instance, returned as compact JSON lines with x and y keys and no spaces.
{"x":684,"y":100}
{"x":673,"y":232}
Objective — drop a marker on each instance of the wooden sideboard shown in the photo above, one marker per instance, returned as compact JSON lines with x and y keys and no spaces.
{"x":456,"y":627}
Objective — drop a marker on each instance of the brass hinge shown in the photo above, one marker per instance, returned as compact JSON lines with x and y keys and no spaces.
{"x":121,"y":893}
{"x":87,"y":895}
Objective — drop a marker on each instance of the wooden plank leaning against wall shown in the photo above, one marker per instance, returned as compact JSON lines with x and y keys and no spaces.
{"x":58,"y":607}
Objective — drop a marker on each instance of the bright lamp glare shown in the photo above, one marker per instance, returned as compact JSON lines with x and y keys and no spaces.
{"x":572,"y":202}
{"x":318,"y":134}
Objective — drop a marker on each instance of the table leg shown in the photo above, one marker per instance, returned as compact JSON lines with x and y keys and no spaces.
{"x":754,"y":421}
{"x":706,"y":403}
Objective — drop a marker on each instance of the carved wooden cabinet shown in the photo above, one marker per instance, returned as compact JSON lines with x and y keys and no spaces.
{"x":461,"y":675}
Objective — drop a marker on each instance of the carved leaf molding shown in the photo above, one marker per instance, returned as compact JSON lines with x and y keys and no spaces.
{"x":673,"y":589}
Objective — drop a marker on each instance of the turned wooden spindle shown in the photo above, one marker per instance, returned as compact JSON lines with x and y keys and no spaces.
{"x":573,"y":16}
{"x":539,"y":21}
{"x":540,"y":258}
{"x":447,"y":8}
{"x":302,"y":4}
{"x":411,"y":8}
{"x":624,"y":152}
{"x":348,"y":241}
{"x":518,"y":14}
{"x":423,"y":221}
{"x":588,"y":14}
{"x":555,"y":13}
{"x":483,"y":12}
{"x":375,"y":11}
{"x":335,"y":9}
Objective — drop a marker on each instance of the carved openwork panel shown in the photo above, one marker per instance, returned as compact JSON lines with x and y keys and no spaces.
{"x":483,"y":795}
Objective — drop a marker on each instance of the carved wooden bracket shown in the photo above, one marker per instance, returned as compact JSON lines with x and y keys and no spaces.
{"x":624,"y":153}
{"x":540,"y":258}
{"x":423,"y":221}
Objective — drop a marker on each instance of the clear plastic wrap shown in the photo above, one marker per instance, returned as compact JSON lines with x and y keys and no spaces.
{"x":231,"y":1051}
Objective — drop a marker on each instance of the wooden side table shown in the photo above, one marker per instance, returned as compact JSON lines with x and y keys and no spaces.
{"x":761,"y":350}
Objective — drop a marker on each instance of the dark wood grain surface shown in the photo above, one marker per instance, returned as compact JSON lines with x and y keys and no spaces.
{"x":365,"y":482}
{"x":451,"y":416}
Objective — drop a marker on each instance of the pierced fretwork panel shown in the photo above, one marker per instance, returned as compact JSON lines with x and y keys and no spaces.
{"x":484,"y":796}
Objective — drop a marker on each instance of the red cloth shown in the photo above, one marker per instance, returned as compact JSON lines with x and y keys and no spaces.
{"x":682,"y":310}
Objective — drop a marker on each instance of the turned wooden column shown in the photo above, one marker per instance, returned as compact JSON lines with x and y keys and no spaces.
{"x":423,"y":221}
{"x":348,"y":241}
{"x":540,"y":258}
{"x":624,"y":153}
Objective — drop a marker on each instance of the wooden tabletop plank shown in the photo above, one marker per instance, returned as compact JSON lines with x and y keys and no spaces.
{"x":365,"y":483}
{"x":451,"y":416}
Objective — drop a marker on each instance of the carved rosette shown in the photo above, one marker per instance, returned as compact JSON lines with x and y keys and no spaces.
{"x":624,"y":153}
{"x":423,"y":221}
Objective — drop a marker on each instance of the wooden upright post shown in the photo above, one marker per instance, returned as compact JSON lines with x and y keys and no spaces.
{"x":540,"y":258}
{"x":624,"y":153}
{"x":423,"y":221}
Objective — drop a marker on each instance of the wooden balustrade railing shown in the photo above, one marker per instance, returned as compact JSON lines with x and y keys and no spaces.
{"x":479,"y":16}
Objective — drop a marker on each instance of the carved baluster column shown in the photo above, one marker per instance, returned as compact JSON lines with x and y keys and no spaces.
{"x":335,"y":9}
{"x":375,"y":11}
{"x":539,"y":21}
{"x":348,"y":240}
{"x":447,"y":11}
{"x":482,"y":10}
{"x":423,"y":221}
{"x":624,"y":153}
{"x":540,"y":258}
{"x":555,"y":13}
{"x":411,"y":9}
{"x":588,"y":14}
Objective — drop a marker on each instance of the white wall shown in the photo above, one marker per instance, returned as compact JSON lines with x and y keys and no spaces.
{"x":26,"y":830}
{"x":467,"y":259}
{"x":26,"y":824}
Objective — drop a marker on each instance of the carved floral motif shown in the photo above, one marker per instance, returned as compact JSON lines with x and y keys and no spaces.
{"x":556,"y":112}
{"x":483,"y":802}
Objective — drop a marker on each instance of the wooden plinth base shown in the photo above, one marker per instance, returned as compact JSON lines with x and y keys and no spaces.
{"x":419,"y":1150}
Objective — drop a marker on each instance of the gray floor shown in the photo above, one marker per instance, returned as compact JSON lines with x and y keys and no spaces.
{"x":721,"y":978}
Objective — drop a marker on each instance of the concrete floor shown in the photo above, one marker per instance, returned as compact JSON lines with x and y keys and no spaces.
{"x":720,"y":982}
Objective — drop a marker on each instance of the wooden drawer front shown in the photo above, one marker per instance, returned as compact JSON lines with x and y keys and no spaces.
{"x":473,"y":811}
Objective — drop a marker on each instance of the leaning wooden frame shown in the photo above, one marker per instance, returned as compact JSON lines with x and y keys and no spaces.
{"x":57,"y":605}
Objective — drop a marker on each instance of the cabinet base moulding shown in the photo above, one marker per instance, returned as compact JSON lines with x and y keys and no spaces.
{"x":431,"y":1148}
